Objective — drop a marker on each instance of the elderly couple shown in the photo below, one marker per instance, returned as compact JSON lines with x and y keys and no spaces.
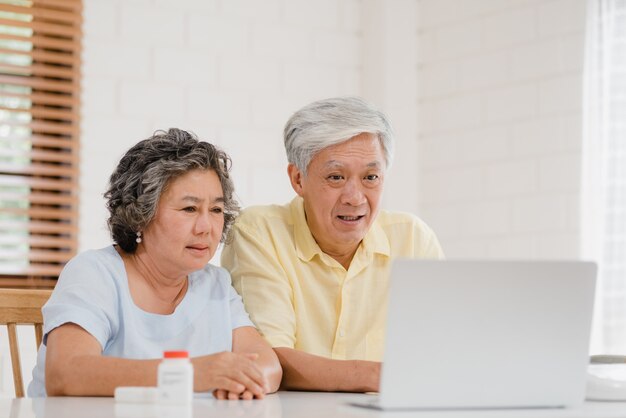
{"x":312,"y":274}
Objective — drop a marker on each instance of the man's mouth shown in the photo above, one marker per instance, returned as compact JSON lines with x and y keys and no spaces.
{"x":350,"y":218}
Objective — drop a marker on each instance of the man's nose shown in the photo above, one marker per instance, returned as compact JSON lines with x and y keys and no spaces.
{"x":353,"y":193}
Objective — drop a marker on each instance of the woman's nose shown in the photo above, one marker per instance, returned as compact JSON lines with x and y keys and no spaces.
{"x":203,"y":223}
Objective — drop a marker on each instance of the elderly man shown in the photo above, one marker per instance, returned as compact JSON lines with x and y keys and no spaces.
{"x":314,"y":273}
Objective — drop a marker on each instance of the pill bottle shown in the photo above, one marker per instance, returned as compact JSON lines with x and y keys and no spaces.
{"x":175,"y":378}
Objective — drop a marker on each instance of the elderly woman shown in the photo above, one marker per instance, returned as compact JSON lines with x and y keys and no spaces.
{"x":115,"y":310}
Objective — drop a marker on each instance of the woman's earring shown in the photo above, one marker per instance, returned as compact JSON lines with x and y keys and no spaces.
{"x":138,"y":239}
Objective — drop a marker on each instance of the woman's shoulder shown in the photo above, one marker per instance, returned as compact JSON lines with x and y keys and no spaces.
{"x":96,"y":256}
{"x":91,"y":265}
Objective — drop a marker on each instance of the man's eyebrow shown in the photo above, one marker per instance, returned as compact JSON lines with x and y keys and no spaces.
{"x":375,"y":164}
{"x":333,"y":163}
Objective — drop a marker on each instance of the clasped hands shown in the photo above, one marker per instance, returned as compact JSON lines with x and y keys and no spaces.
{"x":230,"y":376}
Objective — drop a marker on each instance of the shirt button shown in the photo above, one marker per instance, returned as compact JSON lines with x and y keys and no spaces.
{"x":341,"y":333}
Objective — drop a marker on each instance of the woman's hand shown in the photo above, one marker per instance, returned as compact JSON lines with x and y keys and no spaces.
{"x":230,"y":375}
{"x":222,"y":395}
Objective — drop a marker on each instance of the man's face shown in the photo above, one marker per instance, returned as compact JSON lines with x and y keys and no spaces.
{"x":342,"y":192}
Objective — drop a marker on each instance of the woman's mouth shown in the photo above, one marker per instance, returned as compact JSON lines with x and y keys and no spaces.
{"x":198,"y":248}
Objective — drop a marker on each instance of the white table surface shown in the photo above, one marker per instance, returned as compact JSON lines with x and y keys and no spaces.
{"x":278,"y":405}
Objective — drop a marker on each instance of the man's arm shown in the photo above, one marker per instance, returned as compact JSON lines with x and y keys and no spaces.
{"x":304,"y":371}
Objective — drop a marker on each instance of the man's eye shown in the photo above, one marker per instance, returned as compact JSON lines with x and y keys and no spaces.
{"x":335,"y":177}
{"x":371,"y":177}
{"x":217,"y":210}
{"x":189,"y":209}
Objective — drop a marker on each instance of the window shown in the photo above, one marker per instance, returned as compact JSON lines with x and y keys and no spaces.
{"x":604,"y":169}
{"x":39,"y":131}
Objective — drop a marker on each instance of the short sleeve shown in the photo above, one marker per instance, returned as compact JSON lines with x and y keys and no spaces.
{"x":428,"y":245}
{"x":85,"y":295}
{"x":263,"y":284}
{"x":238,"y":315}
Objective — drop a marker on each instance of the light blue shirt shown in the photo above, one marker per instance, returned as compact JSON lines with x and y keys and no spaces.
{"x":92,"y":292}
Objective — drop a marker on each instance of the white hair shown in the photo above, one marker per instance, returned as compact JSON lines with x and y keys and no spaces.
{"x":332,"y":121}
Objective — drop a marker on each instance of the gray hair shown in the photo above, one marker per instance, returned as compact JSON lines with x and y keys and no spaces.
{"x":332,"y":121}
{"x":144,"y":172}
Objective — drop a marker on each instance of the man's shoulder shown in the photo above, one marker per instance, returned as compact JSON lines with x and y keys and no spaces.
{"x":409,"y":236}
{"x":251,"y":212}
{"x":387,"y":218}
{"x":403,"y":225}
{"x":264,"y":215}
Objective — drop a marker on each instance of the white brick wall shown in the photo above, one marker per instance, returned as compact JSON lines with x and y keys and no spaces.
{"x":232,"y":71}
{"x":495,"y":87}
{"x":499,"y":123}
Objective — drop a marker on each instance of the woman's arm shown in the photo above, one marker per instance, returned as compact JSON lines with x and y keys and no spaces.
{"x":248,"y":340}
{"x":75,"y":366}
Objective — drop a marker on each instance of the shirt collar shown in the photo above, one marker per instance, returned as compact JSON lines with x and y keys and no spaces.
{"x":375,"y":241}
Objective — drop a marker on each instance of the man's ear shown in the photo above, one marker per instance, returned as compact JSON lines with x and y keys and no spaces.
{"x":295,"y":176}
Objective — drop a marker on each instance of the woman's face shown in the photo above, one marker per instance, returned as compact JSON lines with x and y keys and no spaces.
{"x":188,"y":224}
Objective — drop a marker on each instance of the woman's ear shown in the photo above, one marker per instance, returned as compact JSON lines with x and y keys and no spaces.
{"x":295,"y":176}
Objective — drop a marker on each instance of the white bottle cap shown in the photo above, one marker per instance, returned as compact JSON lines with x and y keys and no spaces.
{"x":136,"y":394}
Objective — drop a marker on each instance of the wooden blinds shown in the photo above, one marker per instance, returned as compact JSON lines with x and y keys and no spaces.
{"x":40,"y":44}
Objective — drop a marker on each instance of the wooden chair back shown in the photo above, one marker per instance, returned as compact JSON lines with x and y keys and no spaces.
{"x":21,"y":307}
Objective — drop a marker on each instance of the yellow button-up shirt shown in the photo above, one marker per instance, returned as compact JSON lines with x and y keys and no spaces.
{"x":300,"y":297}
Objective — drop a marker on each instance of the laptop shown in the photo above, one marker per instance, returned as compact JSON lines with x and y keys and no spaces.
{"x":486,"y":334}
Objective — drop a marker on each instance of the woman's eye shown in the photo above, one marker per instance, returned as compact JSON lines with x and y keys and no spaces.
{"x":217,"y":210}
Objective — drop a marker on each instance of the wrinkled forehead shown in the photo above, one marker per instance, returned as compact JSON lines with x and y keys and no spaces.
{"x":194,"y":183}
{"x":364,"y":149}
{"x":339,"y":164}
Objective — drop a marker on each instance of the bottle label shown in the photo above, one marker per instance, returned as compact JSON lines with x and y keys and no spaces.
{"x":176,"y":384}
